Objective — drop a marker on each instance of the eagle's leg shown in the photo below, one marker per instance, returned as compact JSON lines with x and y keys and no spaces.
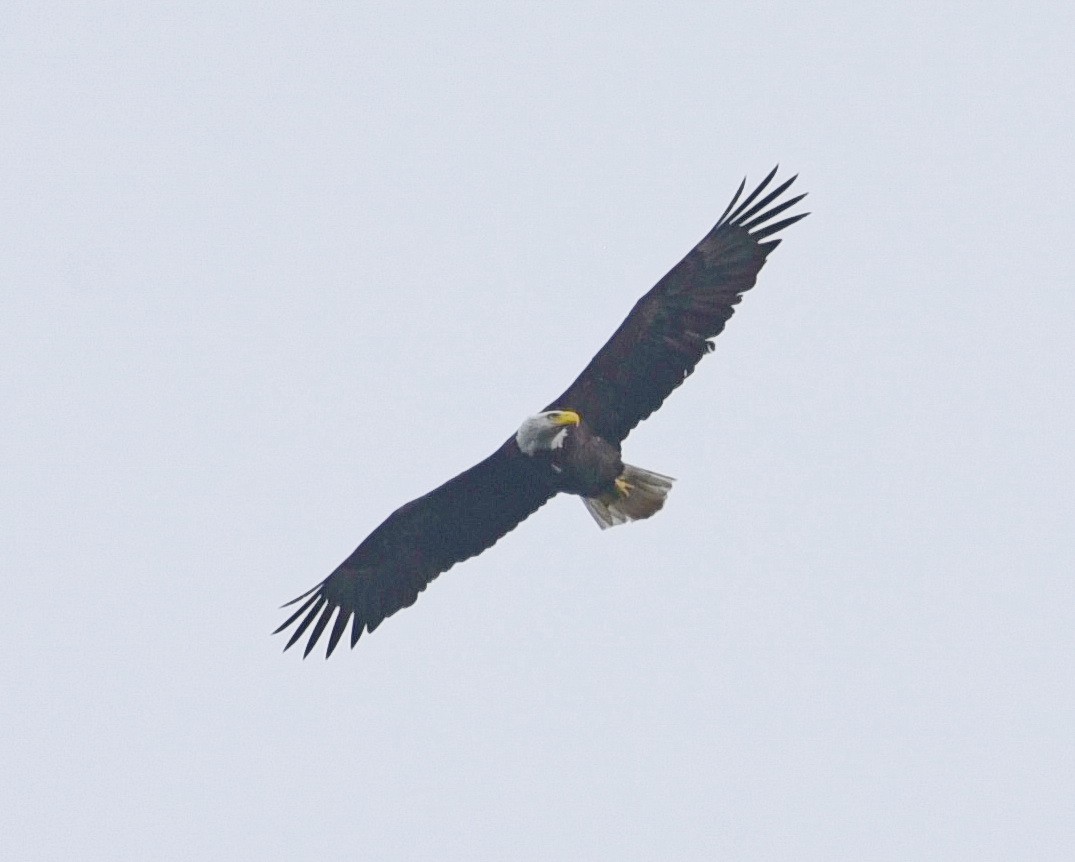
{"x":635,"y":494}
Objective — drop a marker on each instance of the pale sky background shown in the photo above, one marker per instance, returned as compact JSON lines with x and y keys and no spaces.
{"x":270,"y":270}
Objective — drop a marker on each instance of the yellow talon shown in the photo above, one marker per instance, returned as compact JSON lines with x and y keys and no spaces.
{"x":623,"y":486}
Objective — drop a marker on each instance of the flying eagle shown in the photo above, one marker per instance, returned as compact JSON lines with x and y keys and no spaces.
{"x":572,"y":446}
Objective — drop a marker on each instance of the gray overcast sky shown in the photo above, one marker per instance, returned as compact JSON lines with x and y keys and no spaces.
{"x":273,"y":269}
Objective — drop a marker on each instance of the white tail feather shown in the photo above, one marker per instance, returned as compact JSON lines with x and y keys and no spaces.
{"x":645,"y":496}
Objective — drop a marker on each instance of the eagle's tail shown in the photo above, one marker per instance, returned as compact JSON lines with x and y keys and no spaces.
{"x":638,"y":494}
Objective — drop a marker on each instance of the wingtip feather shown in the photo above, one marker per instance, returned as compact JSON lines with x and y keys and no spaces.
{"x":305,"y":624}
{"x":731,"y":203}
{"x":769,"y":230}
{"x":297,"y":613}
{"x":338,"y":629}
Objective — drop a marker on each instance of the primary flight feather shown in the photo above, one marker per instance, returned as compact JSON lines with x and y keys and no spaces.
{"x":572,"y":446}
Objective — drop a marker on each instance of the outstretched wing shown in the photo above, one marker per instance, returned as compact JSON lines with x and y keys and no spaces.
{"x":668,"y":330}
{"x":417,"y":542}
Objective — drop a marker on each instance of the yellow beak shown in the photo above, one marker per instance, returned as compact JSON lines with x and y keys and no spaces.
{"x":567,"y":417}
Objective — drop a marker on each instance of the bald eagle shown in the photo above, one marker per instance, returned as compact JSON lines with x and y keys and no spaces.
{"x":572,"y":446}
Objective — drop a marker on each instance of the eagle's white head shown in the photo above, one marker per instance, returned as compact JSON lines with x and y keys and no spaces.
{"x":545,"y":430}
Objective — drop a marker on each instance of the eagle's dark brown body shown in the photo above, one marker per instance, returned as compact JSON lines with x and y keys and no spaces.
{"x":586,"y":464}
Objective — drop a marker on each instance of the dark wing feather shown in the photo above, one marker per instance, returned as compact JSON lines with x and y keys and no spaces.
{"x":417,"y":542}
{"x":669,"y":329}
